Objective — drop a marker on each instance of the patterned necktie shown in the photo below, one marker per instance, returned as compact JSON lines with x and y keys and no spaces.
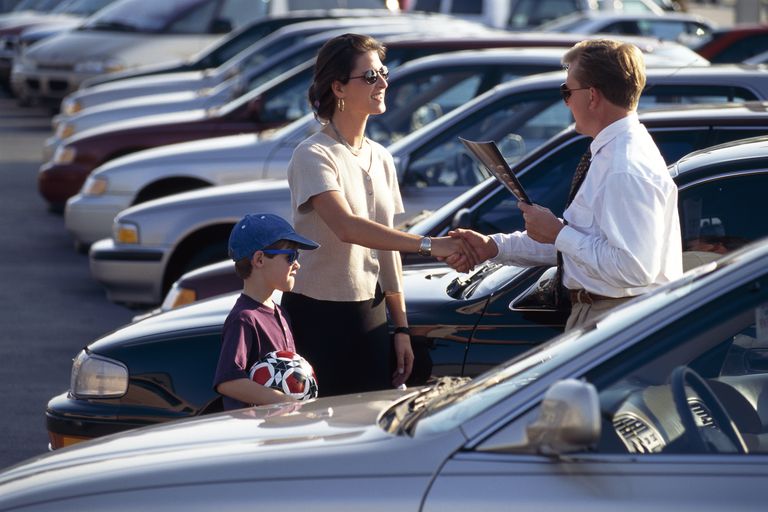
{"x":561,"y":296}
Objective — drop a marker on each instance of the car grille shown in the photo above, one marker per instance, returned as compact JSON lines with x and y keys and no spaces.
{"x":55,"y":66}
{"x":638,"y":436}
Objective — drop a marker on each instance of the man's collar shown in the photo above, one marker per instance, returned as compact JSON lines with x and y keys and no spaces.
{"x":610,"y":132}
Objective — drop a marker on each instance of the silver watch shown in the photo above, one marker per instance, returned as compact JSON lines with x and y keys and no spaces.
{"x":425,"y":248}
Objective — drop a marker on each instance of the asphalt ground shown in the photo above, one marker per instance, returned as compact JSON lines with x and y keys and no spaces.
{"x":50,"y":307}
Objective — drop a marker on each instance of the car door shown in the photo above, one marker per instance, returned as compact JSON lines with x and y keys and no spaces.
{"x":645,"y":458}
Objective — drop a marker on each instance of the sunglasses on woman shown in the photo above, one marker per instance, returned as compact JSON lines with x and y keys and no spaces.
{"x":292,"y":254}
{"x":565,"y":92}
{"x":372,"y":76}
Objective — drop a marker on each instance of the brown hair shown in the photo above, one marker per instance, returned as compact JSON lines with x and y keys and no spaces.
{"x":244,"y":266}
{"x":616,"y":69}
{"x":335,"y":61}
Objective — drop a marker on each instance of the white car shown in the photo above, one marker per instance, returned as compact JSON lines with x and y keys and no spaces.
{"x":419,"y":92}
{"x":688,"y":29}
{"x":153,"y":243}
{"x":659,"y":405}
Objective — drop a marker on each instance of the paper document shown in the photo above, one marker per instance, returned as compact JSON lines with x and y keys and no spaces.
{"x":489,"y":155}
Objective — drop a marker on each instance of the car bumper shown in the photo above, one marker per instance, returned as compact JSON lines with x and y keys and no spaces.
{"x":130,"y":275}
{"x":89,"y":218}
{"x":57,"y":183}
{"x":70,"y":421}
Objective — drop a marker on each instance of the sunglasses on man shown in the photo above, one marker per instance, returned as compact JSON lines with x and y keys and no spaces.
{"x":565,"y":92}
{"x":292,"y":254}
{"x":372,"y":76}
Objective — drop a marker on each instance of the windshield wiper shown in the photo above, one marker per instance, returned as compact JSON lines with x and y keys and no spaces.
{"x":458,"y":286}
{"x":418,"y":404}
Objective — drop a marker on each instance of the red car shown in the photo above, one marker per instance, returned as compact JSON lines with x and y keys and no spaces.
{"x":735,"y":44}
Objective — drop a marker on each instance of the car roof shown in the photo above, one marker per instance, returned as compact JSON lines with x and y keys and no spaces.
{"x":745,"y":150}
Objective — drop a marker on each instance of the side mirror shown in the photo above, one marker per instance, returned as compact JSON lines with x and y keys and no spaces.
{"x":221,"y":26}
{"x":541,"y":296}
{"x":462,"y":219}
{"x":569,"y":419}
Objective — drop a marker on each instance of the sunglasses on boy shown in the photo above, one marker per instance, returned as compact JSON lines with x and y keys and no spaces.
{"x":372,"y":76}
{"x":565,"y":92}
{"x":293,"y":254}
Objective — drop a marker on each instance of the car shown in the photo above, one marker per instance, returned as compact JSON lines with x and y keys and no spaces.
{"x":419,"y":91}
{"x":688,"y":29}
{"x":460,"y":323}
{"x":735,"y":44}
{"x":129,"y":34}
{"x":662,"y":396}
{"x":524,"y":14}
{"x":66,"y":15}
{"x":488,"y":208}
{"x":154,"y":243}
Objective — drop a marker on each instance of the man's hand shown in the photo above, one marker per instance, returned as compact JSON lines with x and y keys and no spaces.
{"x":540,"y":223}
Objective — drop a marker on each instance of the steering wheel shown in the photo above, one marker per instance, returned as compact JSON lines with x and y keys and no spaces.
{"x":683,"y":375}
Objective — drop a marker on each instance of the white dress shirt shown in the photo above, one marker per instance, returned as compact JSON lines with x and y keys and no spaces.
{"x":623,"y":233}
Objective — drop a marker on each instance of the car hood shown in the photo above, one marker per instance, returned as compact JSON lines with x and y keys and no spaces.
{"x":336,"y":436}
{"x":217,"y":149}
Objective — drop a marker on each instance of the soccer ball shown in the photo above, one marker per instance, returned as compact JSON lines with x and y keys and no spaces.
{"x":287,"y":372}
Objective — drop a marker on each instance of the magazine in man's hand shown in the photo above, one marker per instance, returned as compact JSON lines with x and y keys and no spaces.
{"x":490,"y":156}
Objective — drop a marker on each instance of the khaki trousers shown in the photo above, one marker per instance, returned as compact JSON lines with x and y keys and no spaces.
{"x":582,"y":313}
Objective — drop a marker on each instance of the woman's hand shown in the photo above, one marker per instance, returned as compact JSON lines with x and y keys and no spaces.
{"x":455,"y":251}
{"x":404,"y":359}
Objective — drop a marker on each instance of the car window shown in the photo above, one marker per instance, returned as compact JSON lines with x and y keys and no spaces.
{"x":712,"y":222}
{"x":420,"y":98}
{"x":287,"y":102}
{"x":529,"y":13}
{"x":742,"y":49}
{"x":196,"y":21}
{"x":141,"y":15}
{"x":658,"y":95}
{"x":427,"y":5}
{"x":517,"y":124}
{"x":467,"y":7}
{"x":724,"y":341}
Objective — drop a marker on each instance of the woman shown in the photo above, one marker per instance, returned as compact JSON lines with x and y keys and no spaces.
{"x":344,"y":195}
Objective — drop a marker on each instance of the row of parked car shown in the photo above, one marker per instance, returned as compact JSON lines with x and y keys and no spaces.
{"x":670,"y":381}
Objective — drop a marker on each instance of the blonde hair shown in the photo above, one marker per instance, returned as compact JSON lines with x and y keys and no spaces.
{"x":616,"y":69}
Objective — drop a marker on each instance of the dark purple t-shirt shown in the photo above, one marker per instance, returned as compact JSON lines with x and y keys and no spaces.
{"x":250,"y":331}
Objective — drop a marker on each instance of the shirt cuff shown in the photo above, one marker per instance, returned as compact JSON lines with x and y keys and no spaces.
{"x":502,"y":255}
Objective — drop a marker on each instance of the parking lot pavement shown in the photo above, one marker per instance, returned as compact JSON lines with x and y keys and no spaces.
{"x":49,"y":305}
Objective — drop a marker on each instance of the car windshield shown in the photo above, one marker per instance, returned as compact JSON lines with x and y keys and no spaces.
{"x":81,"y":7}
{"x":459,"y":404}
{"x":144,"y":15}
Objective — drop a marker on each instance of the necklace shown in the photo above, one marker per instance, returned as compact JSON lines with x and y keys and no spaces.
{"x":354,"y":151}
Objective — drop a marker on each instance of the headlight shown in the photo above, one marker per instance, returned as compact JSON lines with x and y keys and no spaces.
{"x":71,"y":106}
{"x":94,"y":186}
{"x":177,"y":297}
{"x":99,"y":66}
{"x":64,"y":155}
{"x":65,"y":129}
{"x":125,"y":232}
{"x":97,"y":377}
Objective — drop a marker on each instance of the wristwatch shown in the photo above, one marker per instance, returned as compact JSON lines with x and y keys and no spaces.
{"x":425,"y":248}
{"x":404,"y":330}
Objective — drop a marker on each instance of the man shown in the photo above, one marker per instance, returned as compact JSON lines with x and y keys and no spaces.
{"x":620,"y":236}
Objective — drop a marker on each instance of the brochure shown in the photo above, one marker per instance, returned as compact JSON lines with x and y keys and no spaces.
{"x":489,"y":155}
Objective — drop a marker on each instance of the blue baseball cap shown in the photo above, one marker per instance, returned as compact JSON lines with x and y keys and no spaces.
{"x":257,"y":231}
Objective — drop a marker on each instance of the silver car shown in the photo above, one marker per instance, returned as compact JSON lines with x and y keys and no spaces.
{"x":657,"y":406}
{"x":419,"y":92}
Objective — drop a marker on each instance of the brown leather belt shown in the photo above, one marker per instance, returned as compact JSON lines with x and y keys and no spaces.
{"x":585,"y":297}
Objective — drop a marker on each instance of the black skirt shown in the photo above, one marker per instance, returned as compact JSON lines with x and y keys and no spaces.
{"x":347,"y":343}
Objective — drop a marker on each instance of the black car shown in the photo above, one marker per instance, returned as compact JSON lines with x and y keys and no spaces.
{"x":161,"y":368}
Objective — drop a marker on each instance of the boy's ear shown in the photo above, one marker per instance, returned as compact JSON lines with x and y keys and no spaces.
{"x":258,"y":259}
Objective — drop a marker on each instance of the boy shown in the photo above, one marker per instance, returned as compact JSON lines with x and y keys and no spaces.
{"x":264,"y":248}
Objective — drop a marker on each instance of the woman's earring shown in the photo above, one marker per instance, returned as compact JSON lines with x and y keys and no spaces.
{"x":340,"y":104}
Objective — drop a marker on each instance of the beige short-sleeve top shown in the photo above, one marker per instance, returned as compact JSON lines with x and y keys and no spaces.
{"x":341,"y":271}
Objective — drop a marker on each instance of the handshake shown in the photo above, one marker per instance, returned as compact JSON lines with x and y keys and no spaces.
{"x":462,"y":249}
